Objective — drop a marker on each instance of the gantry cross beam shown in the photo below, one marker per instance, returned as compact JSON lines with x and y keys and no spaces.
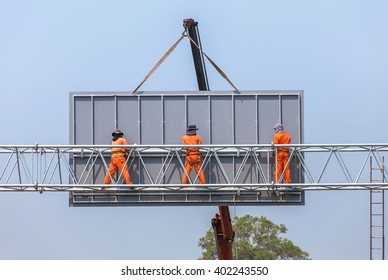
{"x":236,"y":174}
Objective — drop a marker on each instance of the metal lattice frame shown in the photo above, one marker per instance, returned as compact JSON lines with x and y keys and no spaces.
{"x":48,"y":168}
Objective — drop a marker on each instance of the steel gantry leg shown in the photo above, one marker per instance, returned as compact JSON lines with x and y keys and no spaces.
{"x":377,"y":232}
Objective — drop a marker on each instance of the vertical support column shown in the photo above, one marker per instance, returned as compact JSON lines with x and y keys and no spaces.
{"x":377,"y":231}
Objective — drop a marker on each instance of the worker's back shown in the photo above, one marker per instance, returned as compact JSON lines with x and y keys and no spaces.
{"x":194,"y":139}
{"x":282,"y":137}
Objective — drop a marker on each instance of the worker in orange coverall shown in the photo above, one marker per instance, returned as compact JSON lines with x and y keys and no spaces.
{"x":193,"y":156}
{"x":282,"y":137}
{"x":118,"y":159}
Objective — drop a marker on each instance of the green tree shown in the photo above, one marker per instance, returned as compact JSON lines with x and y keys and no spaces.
{"x":256,"y":239}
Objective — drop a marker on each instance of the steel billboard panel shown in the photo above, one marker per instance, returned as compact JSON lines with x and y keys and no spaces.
{"x":174,"y":119}
{"x":161,"y":118}
{"x":127,"y":109}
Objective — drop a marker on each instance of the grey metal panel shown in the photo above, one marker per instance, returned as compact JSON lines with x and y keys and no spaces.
{"x":99,"y":172}
{"x":174,"y":172}
{"x":128,"y":118}
{"x":221,"y":174}
{"x":221,"y":119}
{"x":151,"y":120}
{"x":290,"y":116}
{"x":174,"y":119}
{"x":296,"y":175}
{"x":245,"y":120}
{"x":104,"y":119}
{"x":92,"y":174}
{"x":153,"y":164}
{"x":79,"y":171}
{"x":162,"y":118}
{"x":269,"y":115}
{"x":198,"y":114}
{"x":267,"y":164}
{"x":82,"y":123}
{"x":248,"y":173}
{"x":134,"y":170}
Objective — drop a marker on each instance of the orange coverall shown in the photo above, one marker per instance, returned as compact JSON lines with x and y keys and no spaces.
{"x":193,"y":158}
{"x":282,"y":157}
{"x":118,"y":161}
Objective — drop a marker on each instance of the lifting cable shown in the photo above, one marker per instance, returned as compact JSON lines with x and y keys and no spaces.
{"x":214,"y":64}
{"x":159,"y":62}
{"x":184,"y":34}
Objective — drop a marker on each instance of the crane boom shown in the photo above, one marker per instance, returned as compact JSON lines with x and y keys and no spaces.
{"x":191,"y":28}
{"x":221,"y":223}
{"x":223,"y":233}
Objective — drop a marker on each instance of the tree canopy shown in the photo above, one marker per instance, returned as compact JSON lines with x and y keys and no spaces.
{"x":255,"y":239}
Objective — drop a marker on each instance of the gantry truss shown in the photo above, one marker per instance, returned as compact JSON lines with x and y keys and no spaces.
{"x":236,"y":174}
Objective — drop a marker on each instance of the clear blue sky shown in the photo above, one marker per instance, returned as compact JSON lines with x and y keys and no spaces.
{"x":336,"y":51}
